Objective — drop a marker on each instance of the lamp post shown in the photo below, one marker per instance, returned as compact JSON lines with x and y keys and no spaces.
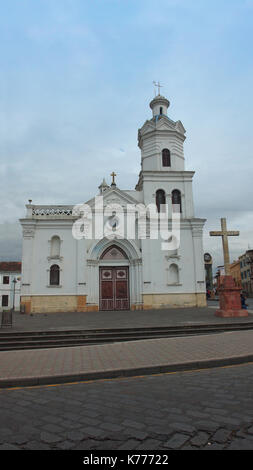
{"x":14,"y":286}
{"x":7,"y":314}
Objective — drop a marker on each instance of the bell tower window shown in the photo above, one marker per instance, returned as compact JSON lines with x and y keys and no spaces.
{"x":160,"y":200}
{"x":166,"y":157}
{"x":176,"y":201}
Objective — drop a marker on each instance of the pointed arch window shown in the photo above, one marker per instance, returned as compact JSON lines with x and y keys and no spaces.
{"x":160,"y":200}
{"x":166,"y":161}
{"x":113,"y":253}
{"x":54,"y":275}
{"x":176,"y":201}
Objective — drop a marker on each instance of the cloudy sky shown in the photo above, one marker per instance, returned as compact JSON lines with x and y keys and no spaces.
{"x":75,"y":84}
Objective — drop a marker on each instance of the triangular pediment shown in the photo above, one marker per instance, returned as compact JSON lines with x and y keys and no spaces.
{"x":165,"y":123}
{"x":148,"y":126}
{"x":180,"y":128}
{"x":114,"y":196}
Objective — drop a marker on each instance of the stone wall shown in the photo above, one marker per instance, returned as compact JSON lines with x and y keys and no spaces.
{"x":151,"y":301}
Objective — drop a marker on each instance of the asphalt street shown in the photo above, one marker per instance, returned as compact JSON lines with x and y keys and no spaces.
{"x":206,"y":409}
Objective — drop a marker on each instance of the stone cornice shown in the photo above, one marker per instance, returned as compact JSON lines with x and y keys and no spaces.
{"x":197,"y":227}
{"x":148,"y":175}
{"x":49,"y":222}
{"x":149,"y":129}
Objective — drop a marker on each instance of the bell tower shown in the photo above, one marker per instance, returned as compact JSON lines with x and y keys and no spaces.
{"x":161,"y":135}
{"x":161,"y":141}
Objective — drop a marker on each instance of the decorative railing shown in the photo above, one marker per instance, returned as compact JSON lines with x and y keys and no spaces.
{"x":52,"y":211}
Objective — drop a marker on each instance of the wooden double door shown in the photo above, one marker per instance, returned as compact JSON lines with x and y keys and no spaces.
{"x":114,"y":288}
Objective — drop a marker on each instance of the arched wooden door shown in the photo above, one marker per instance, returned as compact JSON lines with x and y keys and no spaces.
{"x":114,"y":281}
{"x":114,"y":288}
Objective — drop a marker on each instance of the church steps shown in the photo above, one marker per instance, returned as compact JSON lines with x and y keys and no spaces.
{"x":70,"y":338}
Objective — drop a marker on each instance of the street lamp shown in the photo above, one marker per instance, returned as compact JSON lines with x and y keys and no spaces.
{"x":14,"y":285}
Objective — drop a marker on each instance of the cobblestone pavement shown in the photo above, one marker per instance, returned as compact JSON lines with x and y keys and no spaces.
{"x":207,"y":409}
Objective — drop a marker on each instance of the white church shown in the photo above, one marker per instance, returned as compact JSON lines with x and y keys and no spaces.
{"x":65,"y":270}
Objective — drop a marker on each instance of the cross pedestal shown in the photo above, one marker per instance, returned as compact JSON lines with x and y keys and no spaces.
{"x":229,"y":293}
{"x":230,"y":299}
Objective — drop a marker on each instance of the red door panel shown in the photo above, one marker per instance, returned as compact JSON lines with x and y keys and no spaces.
{"x":107,"y":290}
{"x":114,"y":288}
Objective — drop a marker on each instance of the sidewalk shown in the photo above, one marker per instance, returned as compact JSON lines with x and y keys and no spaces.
{"x":80,"y":363}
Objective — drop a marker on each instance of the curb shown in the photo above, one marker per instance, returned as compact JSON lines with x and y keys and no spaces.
{"x":120,"y":373}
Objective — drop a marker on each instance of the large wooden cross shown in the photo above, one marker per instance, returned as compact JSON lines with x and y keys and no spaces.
{"x":224,"y":233}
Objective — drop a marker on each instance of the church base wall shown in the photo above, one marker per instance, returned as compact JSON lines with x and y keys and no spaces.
{"x":156,"y":301}
{"x":56,"y":303}
{"x":137,"y":307}
{"x":77,"y":303}
{"x":25,"y":301}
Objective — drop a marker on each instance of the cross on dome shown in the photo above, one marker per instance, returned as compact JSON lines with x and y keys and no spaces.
{"x":158,"y":85}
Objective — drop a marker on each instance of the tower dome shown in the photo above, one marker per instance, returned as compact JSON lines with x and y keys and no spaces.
{"x":159,"y":105}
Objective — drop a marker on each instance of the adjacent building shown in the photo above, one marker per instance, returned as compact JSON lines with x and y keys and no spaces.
{"x":235,"y":272}
{"x":218,"y":278}
{"x":10,"y":283}
{"x":246,"y":268}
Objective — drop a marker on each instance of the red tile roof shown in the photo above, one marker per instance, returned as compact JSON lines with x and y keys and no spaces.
{"x":10,"y":266}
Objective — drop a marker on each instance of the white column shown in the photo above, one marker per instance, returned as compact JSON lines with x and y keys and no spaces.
{"x":96,"y":283}
{"x":27,"y":259}
{"x":139,"y":282}
{"x":197,"y":239}
{"x":93,"y":282}
{"x":81,"y":267}
{"x":89,"y":281}
{"x":133,"y":283}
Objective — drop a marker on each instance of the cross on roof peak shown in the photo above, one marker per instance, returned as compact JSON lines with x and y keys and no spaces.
{"x":113,"y":174}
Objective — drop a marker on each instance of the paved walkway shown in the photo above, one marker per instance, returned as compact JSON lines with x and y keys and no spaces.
{"x":122,"y":319}
{"x":44,"y":366}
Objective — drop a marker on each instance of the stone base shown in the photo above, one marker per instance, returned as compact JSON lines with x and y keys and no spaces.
{"x":230,"y":299}
{"x":160,"y":301}
{"x":231,"y":313}
{"x":78,"y":303}
{"x":137,"y":307}
{"x":55,"y":303}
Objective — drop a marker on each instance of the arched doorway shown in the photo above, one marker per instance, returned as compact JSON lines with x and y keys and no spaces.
{"x":114,"y":279}
{"x":100,"y":256}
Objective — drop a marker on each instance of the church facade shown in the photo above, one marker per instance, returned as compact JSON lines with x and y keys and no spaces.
{"x":79,"y":258}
